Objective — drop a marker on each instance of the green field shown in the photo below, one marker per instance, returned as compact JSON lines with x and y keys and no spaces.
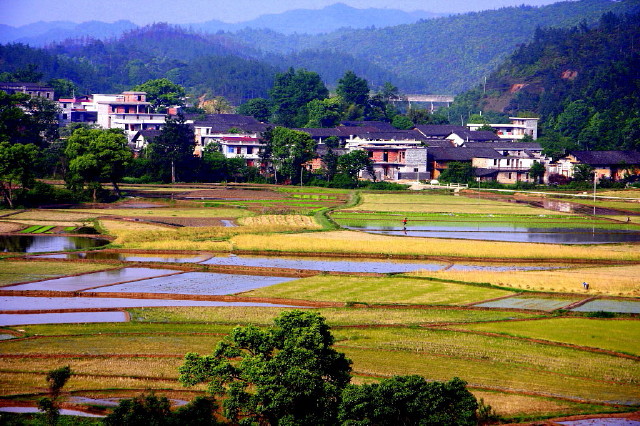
{"x":527,"y":365}
{"x":378,"y":290}
{"x":620,"y":336}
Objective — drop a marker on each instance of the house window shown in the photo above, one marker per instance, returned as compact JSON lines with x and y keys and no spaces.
{"x":509,"y":176}
{"x":249,"y":150}
{"x":495,"y":161}
{"x":230,"y":150}
{"x":415,"y":170}
{"x":238,"y":150}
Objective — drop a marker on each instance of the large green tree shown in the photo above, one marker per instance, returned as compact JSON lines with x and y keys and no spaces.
{"x":353,"y":89}
{"x":16,"y":168}
{"x":287,"y":374}
{"x":171,"y":152}
{"x":50,"y":405}
{"x":290,"y":94}
{"x":352,"y":163}
{"x":95,"y":156}
{"x":162,"y":93}
{"x":288,"y":150}
{"x":458,"y":172}
{"x":258,"y":108}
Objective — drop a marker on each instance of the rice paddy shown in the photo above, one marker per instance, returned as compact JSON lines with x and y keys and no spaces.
{"x":486,"y":312}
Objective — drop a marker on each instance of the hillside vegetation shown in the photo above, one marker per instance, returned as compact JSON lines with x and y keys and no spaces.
{"x":443,"y":55}
{"x":581,"y":81}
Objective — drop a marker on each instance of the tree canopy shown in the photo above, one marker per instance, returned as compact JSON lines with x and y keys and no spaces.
{"x":162,"y":93}
{"x":286,"y":374}
{"x":290,"y":94}
{"x":95,"y":156}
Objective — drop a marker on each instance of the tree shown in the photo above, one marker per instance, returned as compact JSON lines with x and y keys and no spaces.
{"x":162,"y":93}
{"x":324,"y":112}
{"x":408,"y":400}
{"x":95,"y":156}
{"x":217,"y":105}
{"x":151,"y":410}
{"x":16,"y":168}
{"x":537,"y":171}
{"x":50,"y":406}
{"x":285,"y":374}
{"x":258,"y":108}
{"x":27,"y":120}
{"x":353,"y":89}
{"x":352,"y":163}
{"x":290,"y":94}
{"x":63,"y":88}
{"x":583,"y":173}
{"x":402,"y":122}
{"x":458,"y":172}
{"x":288,"y":150}
{"x":171,"y":152}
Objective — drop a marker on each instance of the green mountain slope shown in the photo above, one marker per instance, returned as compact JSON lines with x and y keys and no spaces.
{"x":583,"y":82}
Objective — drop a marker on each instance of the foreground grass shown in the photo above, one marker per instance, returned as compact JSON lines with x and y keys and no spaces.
{"x":364,"y":243}
{"x":614,"y":335}
{"x":378,"y":290}
{"x":611,"y":280}
{"x":14,"y":272}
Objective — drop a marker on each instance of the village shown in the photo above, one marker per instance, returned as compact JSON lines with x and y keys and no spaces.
{"x":505,"y":155}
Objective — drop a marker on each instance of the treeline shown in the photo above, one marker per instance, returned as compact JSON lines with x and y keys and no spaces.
{"x":582,"y":82}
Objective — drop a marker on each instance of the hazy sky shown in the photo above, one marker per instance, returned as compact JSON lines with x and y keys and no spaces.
{"x":21,"y":12}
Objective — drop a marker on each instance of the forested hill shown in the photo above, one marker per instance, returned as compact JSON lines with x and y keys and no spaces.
{"x":444,"y":55}
{"x":583,"y":82}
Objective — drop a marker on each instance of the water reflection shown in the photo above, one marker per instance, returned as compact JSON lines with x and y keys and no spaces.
{"x":44,"y":243}
{"x":512,"y":233}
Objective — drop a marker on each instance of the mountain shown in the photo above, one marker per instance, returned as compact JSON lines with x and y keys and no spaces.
{"x":300,"y":21}
{"x":444,"y":55}
{"x":584,"y":84}
{"x":328,"y":19}
{"x":44,"y":33}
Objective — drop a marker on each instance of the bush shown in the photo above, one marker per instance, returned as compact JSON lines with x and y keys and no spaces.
{"x":43,"y":193}
{"x":386,"y":186}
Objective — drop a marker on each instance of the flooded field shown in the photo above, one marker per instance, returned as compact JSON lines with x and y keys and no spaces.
{"x":329,"y":264}
{"x":510,"y":233}
{"x":45,"y":243}
{"x":92,"y":280}
{"x":61,"y":318}
{"x":203,"y":283}
{"x":26,"y":303}
{"x":621,"y":306}
{"x":127,"y":257}
{"x":533,"y":303}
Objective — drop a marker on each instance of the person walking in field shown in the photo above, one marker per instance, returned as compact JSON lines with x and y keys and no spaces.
{"x":404,"y":223}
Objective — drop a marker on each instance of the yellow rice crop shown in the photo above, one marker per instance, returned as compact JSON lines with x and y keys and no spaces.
{"x":295,"y":222}
{"x":201,"y":238}
{"x":360,"y":242}
{"x":613,"y":280}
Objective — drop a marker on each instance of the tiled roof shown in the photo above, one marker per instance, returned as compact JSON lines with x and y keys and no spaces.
{"x":607,"y":157}
{"x":224,"y":122}
{"x":439,"y":130}
{"x":396,"y":135}
{"x":321,"y":132}
{"x":379,"y":125}
{"x":479,"y":135}
{"x":505,"y":144}
{"x":462,"y":154}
